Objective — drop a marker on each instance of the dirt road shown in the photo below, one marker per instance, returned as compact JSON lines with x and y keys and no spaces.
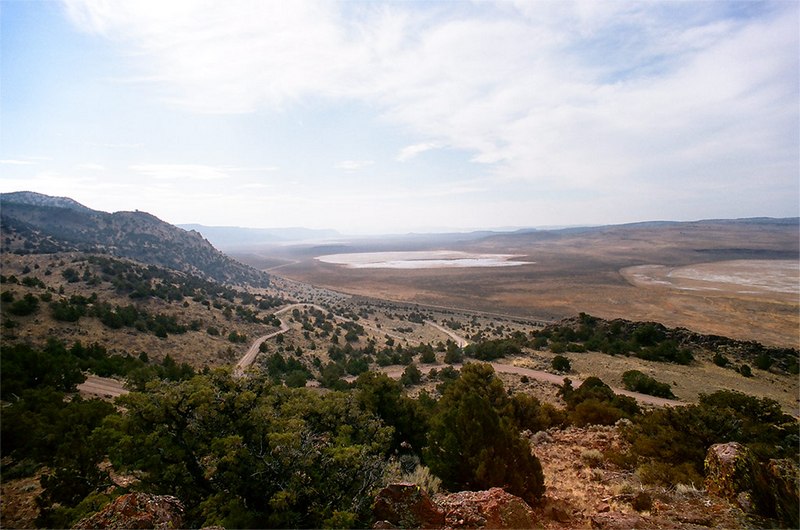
{"x":461,"y":342}
{"x":248,"y":358}
{"x":103,"y":387}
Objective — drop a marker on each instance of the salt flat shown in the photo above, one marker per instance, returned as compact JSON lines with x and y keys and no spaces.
{"x":433,"y":259}
{"x":734,"y":276}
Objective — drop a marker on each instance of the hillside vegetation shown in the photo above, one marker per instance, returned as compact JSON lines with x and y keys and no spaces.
{"x":31,"y":223}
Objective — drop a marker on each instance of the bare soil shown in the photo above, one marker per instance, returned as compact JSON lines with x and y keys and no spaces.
{"x":585,"y":490}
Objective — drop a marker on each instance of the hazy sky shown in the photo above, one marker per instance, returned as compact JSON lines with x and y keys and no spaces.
{"x":373,"y":117}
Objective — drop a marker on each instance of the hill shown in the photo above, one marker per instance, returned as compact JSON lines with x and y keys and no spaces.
{"x":33,"y":223}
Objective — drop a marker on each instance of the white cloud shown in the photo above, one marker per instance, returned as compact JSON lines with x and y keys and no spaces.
{"x":180,"y":171}
{"x":569,"y":96}
{"x":411,"y":151}
{"x":16,"y":162}
{"x":353,"y":165}
{"x":91,"y":166}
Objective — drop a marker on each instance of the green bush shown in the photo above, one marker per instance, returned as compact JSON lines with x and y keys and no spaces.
{"x":474,"y":441}
{"x":561,"y":364}
{"x":27,"y":305}
{"x":595,"y":403}
{"x":637,"y":381}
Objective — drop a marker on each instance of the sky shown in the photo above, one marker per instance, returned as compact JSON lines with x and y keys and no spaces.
{"x":391,"y":117}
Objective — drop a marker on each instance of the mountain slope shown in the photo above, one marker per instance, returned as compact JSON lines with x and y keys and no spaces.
{"x":32,"y":223}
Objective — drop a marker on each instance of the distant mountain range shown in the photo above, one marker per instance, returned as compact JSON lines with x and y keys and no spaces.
{"x":233,"y":236}
{"x":35,"y":223}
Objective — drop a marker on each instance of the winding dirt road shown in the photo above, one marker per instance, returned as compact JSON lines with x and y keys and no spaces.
{"x":396,"y":371}
{"x":461,"y":342}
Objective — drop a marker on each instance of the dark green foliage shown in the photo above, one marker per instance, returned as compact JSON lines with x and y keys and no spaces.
{"x":646,"y":340}
{"x":595,"y":403}
{"x":532,"y":415}
{"x":720,"y":360}
{"x":331,"y":376}
{"x":116,"y":317}
{"x":678,"y":438}
{"x":60,"y":368}
{"x":492,"y":349}
{"x":237,"y":338}
{"x":71,"y":275}
{"x":24,"y":367}
{"x":25,"y":306}
{"x":32,"y":281}
{"x":453,"y":353}
{"x":637,"y":381}
{"x":654,"y":342}
{"x":239,"y":453}
{"x":42,"y":427}
{"x":385,"y":397}
{"x":411,"y":375}
{"x":561,"y":364}
{"x":474,"y":441}
{"x":745,"y":370}
{"x":291,"y":370}
{"x":356,"y":365}
{"x":66,"y":311}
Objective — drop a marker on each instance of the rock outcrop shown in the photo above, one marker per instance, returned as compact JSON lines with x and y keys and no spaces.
{"x":405,"y":505}
{"x":493,"y":508}
{"x":770,"y":490}
{"x":731,"y":471}
{"x":137,"y":510}
{"x":783,"y":478}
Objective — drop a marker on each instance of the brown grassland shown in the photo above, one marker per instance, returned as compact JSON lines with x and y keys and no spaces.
{"x":576,"y":272}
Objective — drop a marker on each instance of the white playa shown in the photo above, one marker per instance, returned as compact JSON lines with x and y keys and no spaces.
{"x":435,"y":259}
{"x":737,"y":276}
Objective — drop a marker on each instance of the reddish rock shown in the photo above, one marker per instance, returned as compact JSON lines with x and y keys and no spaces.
{"x":137,"y":510}
{"x":603,"y":507}
{"x":406,"y":505}
{"x":731,"y":473}
{"x":492,"y":508}
{"x":783,"y":478}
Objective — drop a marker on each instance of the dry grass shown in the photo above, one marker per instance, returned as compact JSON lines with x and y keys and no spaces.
{"x":582,"y":273}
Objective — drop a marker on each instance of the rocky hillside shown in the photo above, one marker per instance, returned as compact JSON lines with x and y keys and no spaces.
{"x":32,"y":223}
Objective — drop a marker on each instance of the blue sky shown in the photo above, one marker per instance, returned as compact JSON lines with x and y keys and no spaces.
{"x":373,"y":117}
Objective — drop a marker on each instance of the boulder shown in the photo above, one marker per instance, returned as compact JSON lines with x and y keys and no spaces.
{"x":783,"y":479}
{"x":731,"y":473}
{"x":406,"y":505}
{"x":137,"y":510}
{"x":493,"y":508}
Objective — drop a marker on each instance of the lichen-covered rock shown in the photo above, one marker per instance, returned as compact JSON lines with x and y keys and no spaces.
{"x":783,"y":479}
{"x":731,"y":473}
{"x":406,"y":505}
{"x":137,"y":510}
{"x":493,"y":508}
